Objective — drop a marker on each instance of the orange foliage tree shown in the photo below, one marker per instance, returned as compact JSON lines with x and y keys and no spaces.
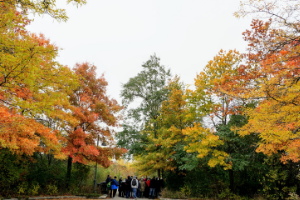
{"x":97,"y":116}
{"x":271,"y":76}
{"x":33,"y":87}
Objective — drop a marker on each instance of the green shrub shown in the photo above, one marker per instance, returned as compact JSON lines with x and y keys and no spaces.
{"x":22,"y":188}
{"x":186,"y":190}
{"x":13,"y":168}
{"x":172,"y":194}
{"x":52,"y":189}
{"x":74,"y":189}
{"x":227,"y":194}
{"x":35,"y":190}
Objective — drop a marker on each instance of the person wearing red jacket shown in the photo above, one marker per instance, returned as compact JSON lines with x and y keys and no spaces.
{"x":148,"y":182}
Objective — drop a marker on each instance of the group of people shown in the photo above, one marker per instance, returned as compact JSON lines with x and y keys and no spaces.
{"x":134,"y":188}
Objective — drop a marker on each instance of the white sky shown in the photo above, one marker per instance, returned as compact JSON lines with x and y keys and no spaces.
{"x":118,"y":36}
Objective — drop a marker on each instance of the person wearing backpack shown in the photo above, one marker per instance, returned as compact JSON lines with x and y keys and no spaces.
{"x":134,"y":186}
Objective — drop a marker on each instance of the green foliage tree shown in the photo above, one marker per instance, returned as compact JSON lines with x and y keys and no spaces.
{"x":149,"y":89}
{"x":166,"y":148}
{"x":241,"y":150}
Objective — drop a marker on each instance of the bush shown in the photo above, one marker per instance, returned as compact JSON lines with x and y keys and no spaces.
{"x":13,"y":171}
{"x":186,"y":191}
{"x":202,"y":181}
{"x":227,"y":194}
{"x":52,"y":189}
{"x":172,"y":194}
{"x":34,"y":190}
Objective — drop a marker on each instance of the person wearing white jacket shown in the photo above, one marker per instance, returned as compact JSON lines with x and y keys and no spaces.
{"x":134,"y":186}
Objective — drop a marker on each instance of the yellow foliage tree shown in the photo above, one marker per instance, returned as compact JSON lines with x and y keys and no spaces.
{"x":271,"y":76}
{"x":172,"y":119}
{"x":32,"y":86}
{"x":210,"y":101}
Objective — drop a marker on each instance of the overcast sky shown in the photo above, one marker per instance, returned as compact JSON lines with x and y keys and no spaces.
{"x":118,"y":36}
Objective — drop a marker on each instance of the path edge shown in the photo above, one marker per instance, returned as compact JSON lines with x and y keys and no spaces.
{"x":59,"y":197}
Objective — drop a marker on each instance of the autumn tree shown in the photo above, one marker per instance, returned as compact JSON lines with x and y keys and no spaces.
{"x":214,"y":105}
{"x":97,"y":115}
{"x":45,"y":106}
{"x":271,"y":75}
{"x":165,"y":150}
{"x":33,"y":87}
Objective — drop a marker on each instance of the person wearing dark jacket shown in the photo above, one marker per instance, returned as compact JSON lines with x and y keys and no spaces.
{"x":114,"y":187}
{"x":120,"y":187}
{"x":124,"y":188}
{"x":128,"y":186}
{"x":139,"y":188}
{"x":131,"y":190}
{"x":147,"y":188}
{"x":107,"y":181}
{"x":152,"y":188}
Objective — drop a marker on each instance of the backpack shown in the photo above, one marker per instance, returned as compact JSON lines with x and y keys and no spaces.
{"x":134,"y":182}
{"x":109,"y":184}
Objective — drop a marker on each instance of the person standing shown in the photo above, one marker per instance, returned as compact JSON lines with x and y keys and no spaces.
{"x":114,"y":187}
{"x":152,"y":188}
{"x":147,"y":189}
{"x":139,"y":188}
{"x":131,"y":191}
{"x":124,"y":188}
{"x":134,"y":186}
{"x":143,"y":186}
{"x":120,"y":187}
{"x":128,"y":183}
{"x":108,"y":180}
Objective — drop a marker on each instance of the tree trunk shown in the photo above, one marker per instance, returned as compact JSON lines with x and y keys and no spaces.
{"x":158,"y":173}
{"x":69,"y":169}
{"x":231,"y":180}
